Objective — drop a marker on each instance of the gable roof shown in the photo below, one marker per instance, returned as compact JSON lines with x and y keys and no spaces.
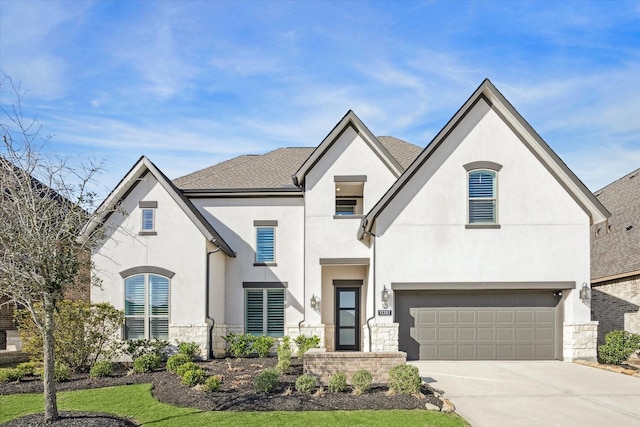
{"x":489,"y":93}
{"x":349,"y":120}
{"x":142,"y":167}
{"x":615,"y":247}
{"x":272,"y":171}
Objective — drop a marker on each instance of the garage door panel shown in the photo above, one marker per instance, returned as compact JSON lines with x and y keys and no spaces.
{"x":478,"y":326}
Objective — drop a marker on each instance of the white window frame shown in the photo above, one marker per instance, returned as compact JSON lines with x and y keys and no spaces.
{"x":483,"y":167}
{"x":143,"y":219}
{"x":261,"y":225}
{"x":147,"y":316}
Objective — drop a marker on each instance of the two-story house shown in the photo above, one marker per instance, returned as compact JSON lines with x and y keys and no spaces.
{"x":475,"y":247}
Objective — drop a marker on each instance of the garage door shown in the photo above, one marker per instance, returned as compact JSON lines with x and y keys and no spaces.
{"x":500,"y":325}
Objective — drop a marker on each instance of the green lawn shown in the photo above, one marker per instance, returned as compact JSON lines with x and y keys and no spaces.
{"x":137,"y":403}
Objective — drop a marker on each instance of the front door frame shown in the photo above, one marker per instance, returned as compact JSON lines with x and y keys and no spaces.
{"x":344,"y":286}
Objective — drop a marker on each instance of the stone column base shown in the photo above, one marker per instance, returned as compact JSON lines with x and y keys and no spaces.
{"x":580,"y":341}
{"x":194,"y":332}
{"x":384,"y":337}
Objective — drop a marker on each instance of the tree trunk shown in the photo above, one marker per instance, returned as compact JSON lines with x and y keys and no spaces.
{"x":50,"y":401}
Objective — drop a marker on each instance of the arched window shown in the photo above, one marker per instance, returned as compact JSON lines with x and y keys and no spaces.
{"x":146,"y":307}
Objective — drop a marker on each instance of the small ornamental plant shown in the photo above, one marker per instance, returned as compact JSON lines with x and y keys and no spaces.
{"x":103,"y":368}
{"x":193,"y":377}
{"x":361,"y":381}
{"x":177,"y":360}
{"x":262,"y":345}
{"x":337,"y":382}
{"x":147,"y":363}
{"x":190,"y":349}
{"x":405,"y":379}
{"x":212,"y":384}
{"x":189,"y":366}
{"x":306,"y":383}
{"x":267,"y":380}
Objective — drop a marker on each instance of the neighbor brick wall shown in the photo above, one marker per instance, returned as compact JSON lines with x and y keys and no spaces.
{"x":323,"y":364}
{"x":616,"y":306}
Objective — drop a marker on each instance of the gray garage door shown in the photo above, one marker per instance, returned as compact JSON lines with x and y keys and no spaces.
{"x":484,"y":325}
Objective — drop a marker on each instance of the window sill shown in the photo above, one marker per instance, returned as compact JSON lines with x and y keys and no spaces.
{"x":148,"y":233}
{"x":482,"y":226}
{"x":265,"y":264}
{"x":347,"y":216}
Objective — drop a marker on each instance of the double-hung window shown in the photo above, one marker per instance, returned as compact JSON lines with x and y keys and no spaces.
{"x":482,"y":193}
{"x":146,"y":307}
{"x":265,"y":242}
{"x":264,"y":312}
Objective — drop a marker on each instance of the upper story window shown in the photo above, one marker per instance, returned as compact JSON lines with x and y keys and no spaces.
{"x":482,"y":194}
{"x":146,"y":307}
{"x":148,"y":217}
{"x":265,"y":242}
{"x":349,"y":191}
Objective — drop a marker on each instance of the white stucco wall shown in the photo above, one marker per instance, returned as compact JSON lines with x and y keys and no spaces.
{"x":543,"y":235}
{"x":234,"y":219}
{"x":178,"y":246}
{"x":329,"y":237}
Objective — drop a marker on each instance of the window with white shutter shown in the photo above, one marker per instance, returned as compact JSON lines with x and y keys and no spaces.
{"x":146,"y":307}
{"x":482,"y":197}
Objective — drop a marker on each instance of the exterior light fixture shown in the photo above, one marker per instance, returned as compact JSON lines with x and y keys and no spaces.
{"x":385,"y":297}
{"x":314,"y":301}
{"x":585,"y":293}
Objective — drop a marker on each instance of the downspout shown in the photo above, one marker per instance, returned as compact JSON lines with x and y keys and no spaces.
{"x":209,"y":320}
{"x":304,"y":255}
{"x":375,"y":266}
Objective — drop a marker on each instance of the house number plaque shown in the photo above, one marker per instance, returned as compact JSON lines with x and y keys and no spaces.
{"x":384,"y":312}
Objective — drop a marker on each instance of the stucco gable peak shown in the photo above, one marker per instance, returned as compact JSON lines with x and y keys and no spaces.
{"x":132,"y":178}
{"x":492,"y":96}
{"x":350,"y":119}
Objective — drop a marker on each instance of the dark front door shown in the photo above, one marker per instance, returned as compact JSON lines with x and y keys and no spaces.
{"x":348,"y":319}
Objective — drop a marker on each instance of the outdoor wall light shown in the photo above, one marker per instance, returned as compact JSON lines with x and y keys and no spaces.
{"x":585,"y":292}
{"x":385,"y":297}
{"x":314,"y":301}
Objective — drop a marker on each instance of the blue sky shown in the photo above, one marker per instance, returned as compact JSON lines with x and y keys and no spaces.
{"x":192,"y":83}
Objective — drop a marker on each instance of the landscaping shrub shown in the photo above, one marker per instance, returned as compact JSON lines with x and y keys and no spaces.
{"x":61,"y":372}
{"x":177,"y":360}
{"x":103,"y":368}
{"x":189,"y":366}
{"x":211,"y":384}
{"x":267,"y":380}
{"x":618,"y":346}
{"x":405,"y":379}
{"x":338,"y":382}
{"x":306,"y":383}
{"x":361,"y":381}
{"x":240,"y":345}
{"x":147,"y":363}
{"x":84,"y":333}
{"x":304,"y":343}
{"x":194,"y":376}
{"x":10,"y":375}
{"x":142,"y":347}
{"x":27,"y":368}
{"x":284,"y":354}
{"x":191,"y":349}
{"x":262,"y":345}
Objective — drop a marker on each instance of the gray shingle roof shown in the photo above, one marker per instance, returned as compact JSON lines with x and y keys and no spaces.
{"x":273,"y":170}
{"x":616,"y":251}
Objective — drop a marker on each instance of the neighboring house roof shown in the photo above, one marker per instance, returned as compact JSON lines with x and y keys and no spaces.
{"x":615,"y":246}
{"x":487,"y":91}
{"x":272,"y":171}
{"x":132,"y":178}
{"x":351,"y":120}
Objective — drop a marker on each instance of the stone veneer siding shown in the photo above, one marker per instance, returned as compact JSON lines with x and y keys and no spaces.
{"x":615,"y":304}
{"x":323,"y":364}
{"x":580,"y":341}
{"x":190,"y":333}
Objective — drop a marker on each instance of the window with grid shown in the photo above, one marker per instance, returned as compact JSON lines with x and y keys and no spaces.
{"x":482,"y":197}
{"x":264,"y":312}
{"x":146,"y":307}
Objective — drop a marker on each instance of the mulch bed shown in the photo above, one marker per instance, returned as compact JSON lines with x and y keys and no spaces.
{"x":236,"y":392}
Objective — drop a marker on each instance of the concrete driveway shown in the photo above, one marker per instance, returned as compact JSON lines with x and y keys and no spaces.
{"x":549,"y":393}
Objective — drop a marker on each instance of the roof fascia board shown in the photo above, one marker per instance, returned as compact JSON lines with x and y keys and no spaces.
{"x":490,"y":94}
{"x":348,"y":120}
{"x":615,"y":277}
